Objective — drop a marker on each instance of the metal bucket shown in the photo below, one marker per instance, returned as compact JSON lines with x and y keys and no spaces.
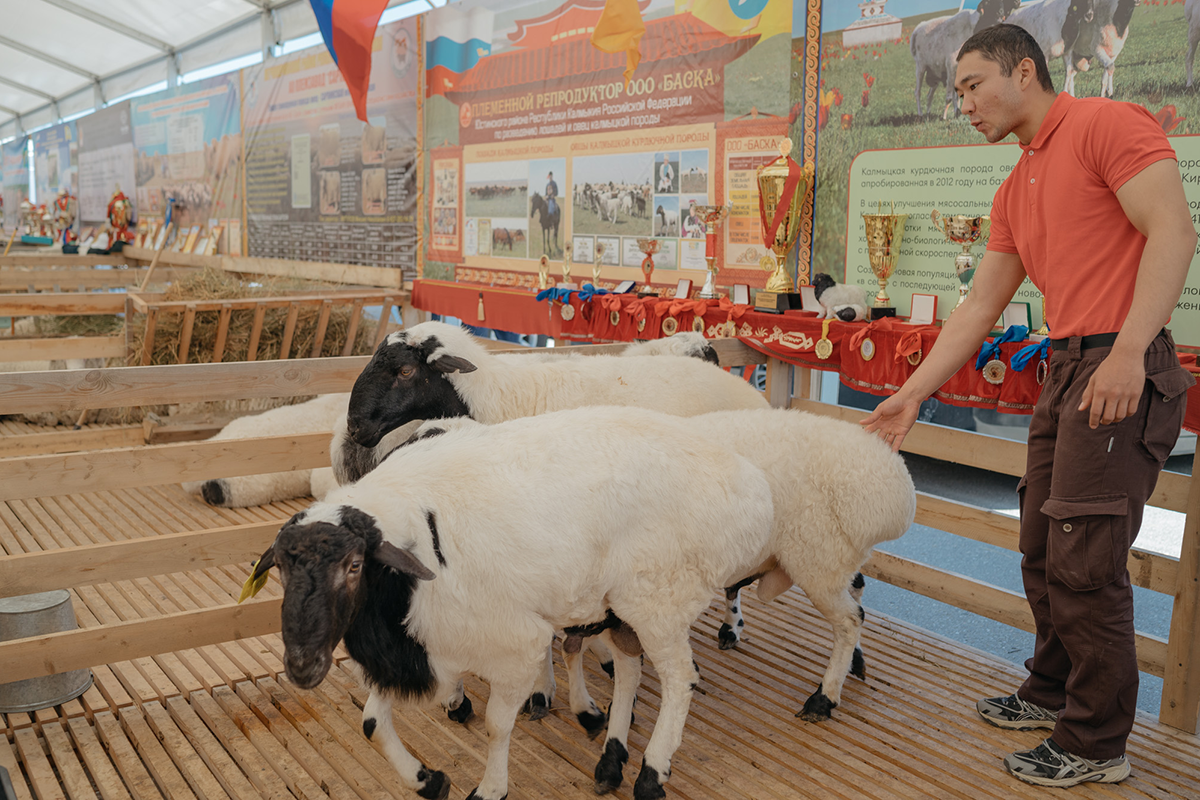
{"x":37,"y":615}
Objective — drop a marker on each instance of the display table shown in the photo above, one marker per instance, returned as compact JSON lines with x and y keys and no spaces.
{"x":505,"y":309}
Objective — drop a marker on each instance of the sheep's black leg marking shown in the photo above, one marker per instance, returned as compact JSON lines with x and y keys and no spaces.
{"x":462,"y":713}
{"x":436,"y":784}
{"x":858,"y":667}
{"x":610,"y":767}
{"x":537,"y":706}
{"x":607,"y":667}
{"x":437,"y":544}
{"x":818,"y":707}
{"x":213,"y":492}
{"x":593,"y":723}
{"x":858,"y":581}
{"x":369,"y":727}
{"x":727,"y":639}
{"x":648,"y":785}
{"x":473,"y":796}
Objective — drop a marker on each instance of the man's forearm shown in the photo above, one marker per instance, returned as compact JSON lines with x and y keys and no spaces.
{"x":1161,"y":275}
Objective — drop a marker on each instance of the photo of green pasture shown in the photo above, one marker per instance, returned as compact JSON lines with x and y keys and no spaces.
{"x":489,"y":200}
{"x":1149,"y":70}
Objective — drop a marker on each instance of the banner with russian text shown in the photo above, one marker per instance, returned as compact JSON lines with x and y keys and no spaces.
{"x":56,"y":161}
{"x":106,"y":162}
{"x":322,"y":185}
{"x":14,"y":171}
{"x":558,"y":155}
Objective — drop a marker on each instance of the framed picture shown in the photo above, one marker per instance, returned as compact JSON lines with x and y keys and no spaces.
{"x":1017,"y":314}
{"x":741,"y":294}
{"x":808,"y":299}
{"x":683,"y":288}
{"x":924,"y":309}
{"x":624,"y":286}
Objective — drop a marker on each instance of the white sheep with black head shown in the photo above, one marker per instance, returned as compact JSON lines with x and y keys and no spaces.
{"x":844,"y":301}
{"x":426,"y":578}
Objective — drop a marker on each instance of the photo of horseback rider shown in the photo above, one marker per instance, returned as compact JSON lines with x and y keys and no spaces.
{"x":551,"y":193}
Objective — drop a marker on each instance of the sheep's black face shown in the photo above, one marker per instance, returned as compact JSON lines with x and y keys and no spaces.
{"x":821,"y":282}
{"x":321,"y":566}
{"x":400,"y":384}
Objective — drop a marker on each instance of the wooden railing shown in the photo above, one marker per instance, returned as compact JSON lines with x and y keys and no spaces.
{"x":1176,"y":659}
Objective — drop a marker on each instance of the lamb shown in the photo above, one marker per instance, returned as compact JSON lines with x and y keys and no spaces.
{"x":670,"y":222}
{"x":844,"y":301}
{"x":1064,"y":29}
{"x":426,"y":580}
{"x":935,"y":43}
{"x":687,"y":343}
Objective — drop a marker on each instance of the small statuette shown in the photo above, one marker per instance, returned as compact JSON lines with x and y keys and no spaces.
{"x":1043,"y":369}
{"x":670,"y":326}
{"x":867,"y":350}
{"x":567,"y":311}
{"x":824,"y":347}
{"x":914,"y":358}
{"x":697,"y":324}
{"x":993,"y":372}
{"x":615,"y":318}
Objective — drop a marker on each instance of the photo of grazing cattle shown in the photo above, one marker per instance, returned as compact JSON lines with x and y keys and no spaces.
{"x":496,"y":189}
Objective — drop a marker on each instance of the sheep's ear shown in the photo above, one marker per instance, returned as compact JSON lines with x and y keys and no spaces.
{"x":452,"y":364}
{"x":402,"y":561}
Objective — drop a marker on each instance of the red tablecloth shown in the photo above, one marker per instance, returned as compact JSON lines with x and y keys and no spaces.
{"x":503,"y":309}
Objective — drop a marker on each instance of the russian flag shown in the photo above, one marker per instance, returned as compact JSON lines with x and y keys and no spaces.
{"x":348,"y":28}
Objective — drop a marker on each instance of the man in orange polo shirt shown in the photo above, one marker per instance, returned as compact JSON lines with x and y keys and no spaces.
{"x":1094,"y":213}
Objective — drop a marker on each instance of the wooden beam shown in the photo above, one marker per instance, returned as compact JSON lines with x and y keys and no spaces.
{"x":339,"y":296}
{"x":52,"y":475}
{"x":386,"y":277}
{"x":1180,"y":706}
{"x":779,"y":383}
{"x":37,"y":657}
{"x":29,"y":573}
{"x":62,"y":347}
{"x":985,"y":600}
{"x":62,"y":390}
{"x":61,"y":304}
{"x":60,"y":260}
{"x":32,"y":444}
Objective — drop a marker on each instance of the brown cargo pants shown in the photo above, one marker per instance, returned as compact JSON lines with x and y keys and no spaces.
{"x":1081,"y":507}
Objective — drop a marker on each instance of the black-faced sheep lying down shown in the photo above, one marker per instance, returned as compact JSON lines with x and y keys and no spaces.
{"x":446,"y":560}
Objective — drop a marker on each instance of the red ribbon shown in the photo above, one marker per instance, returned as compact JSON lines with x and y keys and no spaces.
{"x":710,"y":244}
{"x":881,"y":324}
{"x":909,"y":343}
{"x":795,"y":172}
{"x":610,"y":302}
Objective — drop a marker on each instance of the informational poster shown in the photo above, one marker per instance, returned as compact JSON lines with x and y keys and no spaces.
{"x":321,"y":184}
{"x":559,"y":155}
{"x":56,"y":161}
{"x":106,"y":161}
{"x":189,"y":152}
{"x":15,"y":158}
{"x":890,"y":130}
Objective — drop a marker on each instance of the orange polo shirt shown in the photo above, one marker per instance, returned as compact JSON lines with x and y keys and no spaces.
{"x":1058,"y":210}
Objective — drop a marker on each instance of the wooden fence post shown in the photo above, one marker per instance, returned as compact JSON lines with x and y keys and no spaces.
{"x":1181,"y":680}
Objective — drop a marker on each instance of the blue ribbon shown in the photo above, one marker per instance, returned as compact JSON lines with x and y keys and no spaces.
{"x":1036,"y":350}
{"x":589,"y":291}
{"x":990,"y":350}
{"x":554,"y":293}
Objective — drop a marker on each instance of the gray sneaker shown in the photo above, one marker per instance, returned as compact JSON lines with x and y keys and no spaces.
{"x":1050,"y":765}
{"x":1014,"y":713}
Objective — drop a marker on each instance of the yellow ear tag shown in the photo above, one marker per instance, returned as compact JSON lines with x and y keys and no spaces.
{"x":253,"y":585}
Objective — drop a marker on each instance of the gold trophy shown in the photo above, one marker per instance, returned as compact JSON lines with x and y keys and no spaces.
{"x":566,"y":265}
{"x":963,"y":230}
{"x":712,"y":216}
{"x":782,"y":185}
{"x":648,"y":247}
{"x":600,"y":248}
{"x":1045,"y":329}
{"x":543,"y":272}
{"x":884,"y":234}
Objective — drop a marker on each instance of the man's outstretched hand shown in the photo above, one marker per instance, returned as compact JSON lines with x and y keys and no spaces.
{"x":892,"y":419}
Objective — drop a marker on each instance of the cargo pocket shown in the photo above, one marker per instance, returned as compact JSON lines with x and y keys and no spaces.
{"x":1089,"y":539}
{"x":1164,"y":416}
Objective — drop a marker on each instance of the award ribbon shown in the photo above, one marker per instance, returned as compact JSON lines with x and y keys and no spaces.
{"x":589,"y":291}
{"x":909,"y":344}
{"x":1028,"y":353}
{"x":991,"y":350}
{"x":795,"y":173}
{"x":553,"y":294}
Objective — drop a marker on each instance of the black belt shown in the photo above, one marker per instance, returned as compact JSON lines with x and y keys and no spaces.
{"x":1093,"y":340}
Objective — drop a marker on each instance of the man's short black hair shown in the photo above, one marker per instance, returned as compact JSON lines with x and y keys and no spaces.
{"x":1008,"y":46}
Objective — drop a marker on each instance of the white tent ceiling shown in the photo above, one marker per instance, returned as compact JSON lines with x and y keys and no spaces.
{"x":59,"y":58}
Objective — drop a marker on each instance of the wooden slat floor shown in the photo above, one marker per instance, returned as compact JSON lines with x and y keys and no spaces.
{"x":222,"y":720}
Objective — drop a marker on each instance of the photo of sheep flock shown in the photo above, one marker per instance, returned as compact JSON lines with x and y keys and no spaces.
{"x":893,"y":92}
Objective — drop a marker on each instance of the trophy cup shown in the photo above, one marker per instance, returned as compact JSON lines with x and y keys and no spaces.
{"x":566,"y":265}
{"x":1045,"y":329}
{"x":648,"y":247}
{"x":600,"y":248}
{"x":884,"y":233}
{"x":781,"y":188}
{"x":543,"y":272}
{"x":712,"y":216}
{"x":963,"y":230}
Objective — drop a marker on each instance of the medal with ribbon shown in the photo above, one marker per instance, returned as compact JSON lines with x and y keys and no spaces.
{"x":1038,"y":350}
{"x":989,"y":355}
{"x":824,"y":347}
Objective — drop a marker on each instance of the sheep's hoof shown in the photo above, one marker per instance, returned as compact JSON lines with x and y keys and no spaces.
{"x":858,"y":667}
{"x":369,"y":728}
{"x":213,"y":492}
{"x":592,"y":721}
{"x":536,"y":706}
{"x":473,"y":796}
{"x":462,"y":713}
{"x":610,"y":766}
{"x":607,"y":667}
{"x":437,"y":785}
{"x":818,"y":707}
{"x":648,"y":786}
{"x":727,"y":637}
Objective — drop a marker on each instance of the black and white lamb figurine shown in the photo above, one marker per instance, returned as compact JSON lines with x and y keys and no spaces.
{"x":427,"y":578}
{"x":844,"y":301}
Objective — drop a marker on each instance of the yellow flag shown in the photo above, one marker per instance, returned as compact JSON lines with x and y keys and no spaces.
{"x":621,"y":28}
